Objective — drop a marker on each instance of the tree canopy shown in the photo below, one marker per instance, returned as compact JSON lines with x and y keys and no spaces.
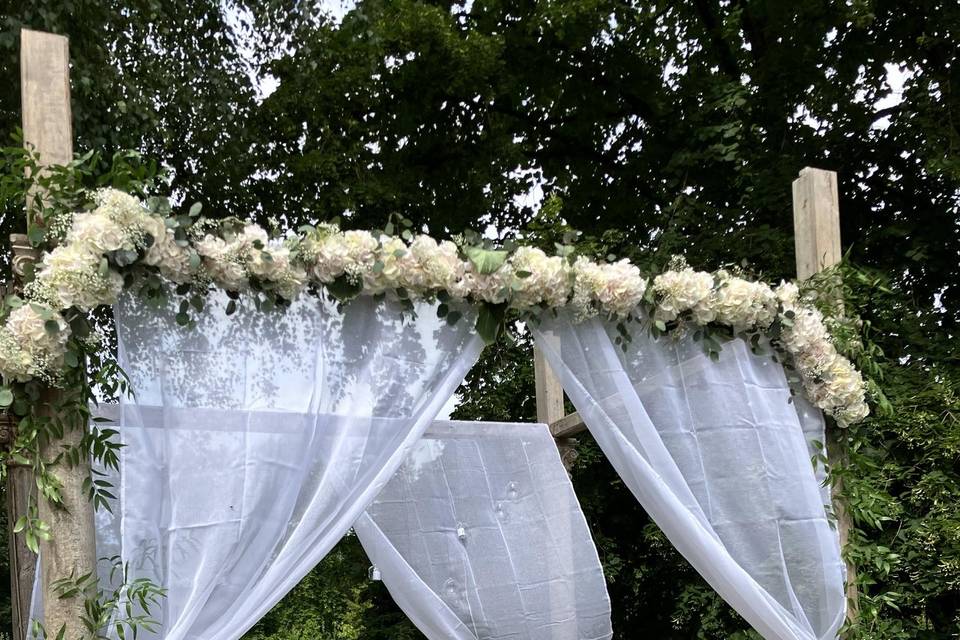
{"x":654,"y":128}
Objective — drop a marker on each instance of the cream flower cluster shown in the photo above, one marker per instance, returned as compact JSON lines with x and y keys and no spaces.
{"x":87,"y":270}
{"x":830,"y":380}
{"x":232,"y":262}
{"x":28,"y":347}
{"x":617,"y":288}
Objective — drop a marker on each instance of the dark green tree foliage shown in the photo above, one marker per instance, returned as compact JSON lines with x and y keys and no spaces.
{"x":164,"y":78}
{"x":663,"y":127}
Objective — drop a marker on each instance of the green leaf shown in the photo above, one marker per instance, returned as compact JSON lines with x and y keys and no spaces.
{"x":344,"y":289}
{"x":6,"y":396}
{"x":231,"y":307}
{"x":442,"y":310}
{"x":195,"y":209}
{"x":52,"y":326}
{"x":453,"y":317}
{"x":486,"y":261}
{"x":489,"y":321}
{"x":36,"y":234}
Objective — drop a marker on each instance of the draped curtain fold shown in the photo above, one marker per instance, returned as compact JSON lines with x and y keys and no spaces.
{"x":255,"y":440}
{"x":718,"y":455}
{"x":479,"y":535}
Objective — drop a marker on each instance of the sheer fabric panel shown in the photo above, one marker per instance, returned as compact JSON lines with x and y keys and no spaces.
{"x":256,"y":440}
{"x":716,"y":454}
{"x":479,"y":536}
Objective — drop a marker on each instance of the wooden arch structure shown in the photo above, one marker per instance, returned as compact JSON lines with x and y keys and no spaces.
{"x":47,"y":127}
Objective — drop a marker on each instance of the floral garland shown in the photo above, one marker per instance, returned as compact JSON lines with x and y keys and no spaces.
{"x":121,"y":243}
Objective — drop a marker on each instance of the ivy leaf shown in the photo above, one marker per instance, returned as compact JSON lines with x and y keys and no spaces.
{"x":486,"y":261}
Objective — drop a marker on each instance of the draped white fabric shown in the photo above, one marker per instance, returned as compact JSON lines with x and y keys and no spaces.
{"x":479,"y":536}
{"x":256,"y":440}
{"x":716,"y":454}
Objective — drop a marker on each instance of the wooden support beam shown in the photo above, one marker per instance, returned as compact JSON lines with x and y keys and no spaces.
{"x":568,"y":426}
{"x":550,"y":407}
{"x":45,"y":97}
{"x":816,"y":221}
{"x":47,"y":128}
{"x":816,"y":224}
{"x":20,"y":485}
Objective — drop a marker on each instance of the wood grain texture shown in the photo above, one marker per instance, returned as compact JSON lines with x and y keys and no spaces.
{"x":45,"y":77}
{"x":568,"y":425}
{"x":816,"y":223}
{"x":550,"y":407}
{"x":45,"y":96}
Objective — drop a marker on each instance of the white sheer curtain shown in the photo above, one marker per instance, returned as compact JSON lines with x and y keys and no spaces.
{"x":479,"y":536}
{"x":255,"y":441}
{"x":716,"y":454}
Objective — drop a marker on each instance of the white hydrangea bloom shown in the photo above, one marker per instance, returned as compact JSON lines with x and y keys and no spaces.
{"x":394,"y":267}
{"x":222,"y":263}
{"x":15,"y":362}
{"x":548,"y":281}
{"x":617,"y":288}
{"x":27,"y":324}
{"x":684,"y":290}
{"x":743,"y":304}
{"x":489,"y":287}
{"x":73,"y":272}
{"x":440,"y":265}
{"x":165,"y":254}
{"x":274,"y":265}
{"x":27,"y":348}
{"x":99,"y":234}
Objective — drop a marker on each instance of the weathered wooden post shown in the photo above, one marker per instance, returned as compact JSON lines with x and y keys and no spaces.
{"x":71,"y":552}
{"x":816,"y":226}
{"x":20,"y":485}
{"x":550,"y":409}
